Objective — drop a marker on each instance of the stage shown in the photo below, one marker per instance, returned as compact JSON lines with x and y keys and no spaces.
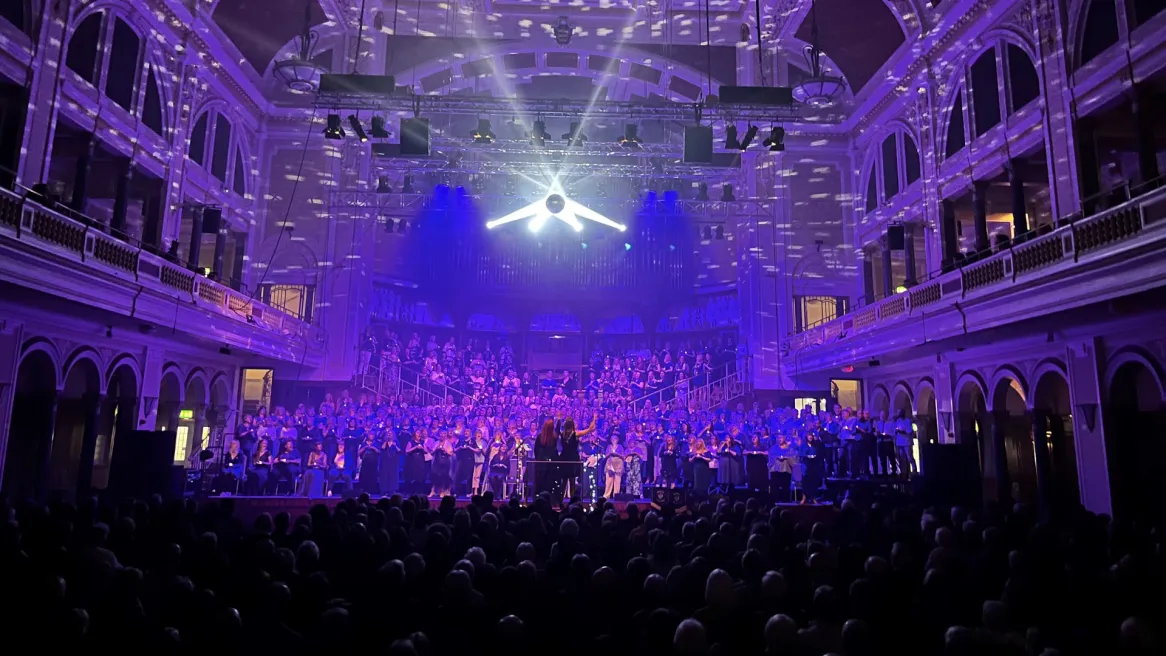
{"x":249,"y":507}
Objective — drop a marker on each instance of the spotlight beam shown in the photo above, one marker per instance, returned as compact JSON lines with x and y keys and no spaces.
{"x":570,"y":214}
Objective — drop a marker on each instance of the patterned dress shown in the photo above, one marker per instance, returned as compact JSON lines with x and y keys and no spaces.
{"x":633,"y":474}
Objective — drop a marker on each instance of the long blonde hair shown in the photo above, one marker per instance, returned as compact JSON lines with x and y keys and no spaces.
{"x":698,"y":446}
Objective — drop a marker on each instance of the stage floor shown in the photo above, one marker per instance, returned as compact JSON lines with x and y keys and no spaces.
{"x":248,"y":507}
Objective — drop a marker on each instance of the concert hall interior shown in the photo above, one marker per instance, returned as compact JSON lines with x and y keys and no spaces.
{"x":598,"y":258}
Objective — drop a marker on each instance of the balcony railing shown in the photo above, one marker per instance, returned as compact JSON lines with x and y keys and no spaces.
{"x":1021,"y":263}
{"x":86,"y":244}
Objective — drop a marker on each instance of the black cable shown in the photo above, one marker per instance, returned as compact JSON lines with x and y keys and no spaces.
{"x":708,"y":51}
{"x":287,"y":212}
{"x":359,"y":35}
{"x":760,"y":56}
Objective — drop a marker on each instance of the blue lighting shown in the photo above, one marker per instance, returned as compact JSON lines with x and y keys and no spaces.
{"x":670,"y":197}
{"x":627,"y":246}
{"x":584,"y":245}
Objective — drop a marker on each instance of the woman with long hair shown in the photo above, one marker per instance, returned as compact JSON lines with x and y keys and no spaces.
{"x":701,"y":461}
{"x":569,"y":441}
{"x":614,"y":468}
{"x":546,"y":450}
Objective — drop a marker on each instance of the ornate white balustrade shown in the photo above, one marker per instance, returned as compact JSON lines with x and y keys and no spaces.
{"x":75,"y":255}
{"x":1113,"y":253}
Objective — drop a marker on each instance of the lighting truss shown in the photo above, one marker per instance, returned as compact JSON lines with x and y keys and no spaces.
{"x":555,"y":205}
{"x":627,"y":110}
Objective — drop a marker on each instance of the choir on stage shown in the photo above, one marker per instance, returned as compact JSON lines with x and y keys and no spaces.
{"x":585,"y":447}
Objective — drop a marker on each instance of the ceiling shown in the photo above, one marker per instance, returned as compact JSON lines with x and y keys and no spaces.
{"x":859,"y":36}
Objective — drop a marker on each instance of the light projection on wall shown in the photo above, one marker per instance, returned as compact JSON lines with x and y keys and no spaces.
{"x":555,"y":205}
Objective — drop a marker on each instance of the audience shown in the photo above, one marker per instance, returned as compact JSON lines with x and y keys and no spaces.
{"x":402,"y":577}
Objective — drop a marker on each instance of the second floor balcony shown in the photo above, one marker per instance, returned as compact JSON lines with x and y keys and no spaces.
{"x":46,"y":251}
{"x":1117,"y":252}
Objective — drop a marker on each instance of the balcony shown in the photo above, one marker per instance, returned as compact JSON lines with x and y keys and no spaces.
{"x":50,"y":252}
{"x":1114,"y":253}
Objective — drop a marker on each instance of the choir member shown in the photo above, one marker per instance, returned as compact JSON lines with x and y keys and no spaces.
{"x":390,"y":470}
{"x":442,"y":472}
{"x":498,"y":460}
{"x":592,"y":453}
{"x":635,"y":452}
{"x":569,"y":442}
{"x":667,"y":456}
{"x":702,"y":462}
{"x":233,"y":465}
{"x":614,"y":467}
{"x":315,"y":471}
{"x":464,"y":464}
{"x":867,"y":442}
{"x":260,"y":470}
{"x":414,"y":473}
{"x":287,"y":463}
{"x":246,"y":435}
{"x":904,"y":443}
{"x":756,"y":463}
{"x":885,"y":431}
{"x":340,"y":473}
{"x":368,"y":474}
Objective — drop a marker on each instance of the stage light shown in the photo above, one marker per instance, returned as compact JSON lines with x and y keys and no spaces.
{"x":555,"y":204}
{"x":657,"y":166}
{"x":575,"y":136}
{"x":776,"y":140}
{"x":706,"y":233}
{"x":731,"y":141}
{"x":748,"y":138}
{"x":383,"y":185}
{"x":563,"y":31}
{"x":727,"y":193}
{"x":720,"y":232}
{"x":378,"y":130}
{"x":408,"y":187}
{"x":627,"y":246}
{"x":483,"y":135}
{"x":629,"y":139}
{"x":900,"y":289}
{"x":357,"y":128}
{"x":334,"y":130}
{"x":702,"y":192}
{"x":539,"y":136}
{"x":584,"y":245}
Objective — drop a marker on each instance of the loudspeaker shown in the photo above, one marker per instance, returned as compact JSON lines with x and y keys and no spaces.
{"x":951,"y":475}
{"x":774,"y":96}
{"x":415,"y":136}
{"x":779,"y":486}
{"x":142,"y":464}
{"x":212,"y":220}
{"x":669,"y":497}
{"x":896,"y":237}
{"x":698,"y":144}
{"x":369,"y":85}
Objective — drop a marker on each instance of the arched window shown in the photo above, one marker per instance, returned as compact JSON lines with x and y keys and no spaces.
{"x":240,"y":182}
{"x":152,"y":105}
{"x":222,"y":147}
{"x":911,"y":166}
{"x":985,"y":93}
{"x":82,"y":55}
{"x":955,"y":140}
{"x":890,"y":167}
{"x":1100,"y":31}
{"x":122,"y":76}
{"x":1023,"y":83}
{"x":872,"y":195}
{"x":197,"y":150}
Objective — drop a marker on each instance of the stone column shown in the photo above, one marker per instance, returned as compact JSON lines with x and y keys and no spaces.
{"x":1000,"y":455}
{"x":909,"y":252}
{"x":194,"y":249}
{"x":1040,"y":442}
{"x":1141,"y":103}
{"x":1016,"y":186}
{"x":81,"y":175}
{"x":121,"y":202}
{"x":1087,"y":163}
{"x":93,"y":405}
{"x":237,"y":270}
{"x":1085,"y":372}
{"x":980,"y":215}
{"x":220,"y":250}
{"x":951,"y":245}
{"x":888,"y":285}
{"x":45,"y":443}
{"x":152,"y":223}
{"x":868,"y":282}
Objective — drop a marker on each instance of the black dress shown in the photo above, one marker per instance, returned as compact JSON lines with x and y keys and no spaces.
{"x":701,"y":475}
{"x":542,"y":470}
{"x":370,"y":461}
{"x":415,"y":467}
{"x":572,"y":467}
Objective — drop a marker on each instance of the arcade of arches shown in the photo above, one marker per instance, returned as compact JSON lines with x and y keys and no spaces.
{"x":65,"y":420}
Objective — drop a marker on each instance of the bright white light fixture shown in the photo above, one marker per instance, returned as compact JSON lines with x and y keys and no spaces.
{"x":555,"y":205}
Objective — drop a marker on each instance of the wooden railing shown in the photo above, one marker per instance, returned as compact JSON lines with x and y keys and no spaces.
{"x":90,"y":246}
{"x":1021,"y":263}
